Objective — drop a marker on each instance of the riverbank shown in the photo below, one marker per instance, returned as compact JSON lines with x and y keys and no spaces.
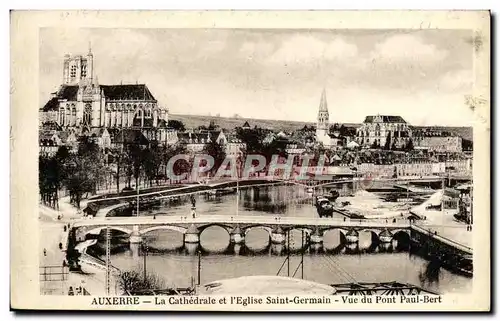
{"x":371,"y":206}
{"x":442,"y":222}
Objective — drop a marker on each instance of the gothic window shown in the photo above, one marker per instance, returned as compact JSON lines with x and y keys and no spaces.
{"x":73,"y":114}
{"x":118,"y":118}
{"x":139,"y":114}
{"x":125,"y":118}
{"x":61,"y":116}
{"x":147,"y":114}
{"x":68,"y":116}
{"x":73,"y":71}
{"x":84,"y":71}
{"x":87,"y":115}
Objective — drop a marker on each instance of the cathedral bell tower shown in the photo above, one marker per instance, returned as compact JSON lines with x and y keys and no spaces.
{"x":78,"y":68}
{"x":323,"y":119}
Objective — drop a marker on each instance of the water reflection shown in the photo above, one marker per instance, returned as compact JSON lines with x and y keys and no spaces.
{"x":368,"y":260}
{"x":431,"y":273}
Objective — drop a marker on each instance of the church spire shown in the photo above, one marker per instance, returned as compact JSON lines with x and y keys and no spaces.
{"x":323,"y":106}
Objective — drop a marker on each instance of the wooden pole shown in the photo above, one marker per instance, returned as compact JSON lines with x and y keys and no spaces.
{"x":145,"y":250}
{"x":199,"y":267}
{"x":302,"y":256}
{"x":108,"y":258}
{"x":288,"y":254}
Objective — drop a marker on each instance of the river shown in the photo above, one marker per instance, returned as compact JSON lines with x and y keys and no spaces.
{"x":333,"y":263}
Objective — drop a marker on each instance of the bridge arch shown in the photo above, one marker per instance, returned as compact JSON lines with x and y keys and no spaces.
{"x":402,"y":237}
{"x":308,"y":230}
{"x":374,"y":233}
{"x":341,"y":229}
{"x":227,"y":227}
{"x":342,"y":236}
{"x":163,"y":227}
{"x":97,"y":230}
{"x":266,"y":228}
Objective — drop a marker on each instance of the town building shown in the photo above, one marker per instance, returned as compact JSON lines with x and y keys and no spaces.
{"x":437,"y":141}
{"x":195,"y":142}
{"x":384,"y":131}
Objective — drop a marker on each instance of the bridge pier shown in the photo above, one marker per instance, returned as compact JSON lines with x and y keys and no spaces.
{"x":352,"y":236}
{"x":192,"y":235}
{"x":385,"y":236}
{"x":135,"y":237}
{"x":277,"y":249}
{"x":277,"y":235}
{"x":134,"y":250}
{"x":316,"y":237}
{"x":237,"y":236}
{"x":316,"y":247}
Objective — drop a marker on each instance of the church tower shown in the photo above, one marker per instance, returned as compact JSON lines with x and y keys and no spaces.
{"x":78,"y":68}
{"x":323,"y":121}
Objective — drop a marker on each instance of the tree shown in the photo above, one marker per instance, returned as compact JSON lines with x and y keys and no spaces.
{"x":211,"y":126}
{"x":83,"y":170}
{"x":253,"y":139}
{"x":217,"y":151}
{"x":133,"y":281}
{"x":180,"y":166}
{"x":151,"y":159}
{"x":48,"y":180}
{"x":409,"y":145}
{"x":176,"y":124}
{"x":134,"y":159}
{"x":387,"y":145}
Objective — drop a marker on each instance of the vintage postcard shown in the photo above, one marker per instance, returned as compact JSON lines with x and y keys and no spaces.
{"x":250,"y":161}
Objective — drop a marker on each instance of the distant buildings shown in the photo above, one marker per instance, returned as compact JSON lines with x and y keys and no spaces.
{"x":384,"y":131}
{"x":437,"y":141}
{"x":195,"y":142}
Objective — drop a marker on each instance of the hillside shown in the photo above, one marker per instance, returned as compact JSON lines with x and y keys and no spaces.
{"x":193,"y":121}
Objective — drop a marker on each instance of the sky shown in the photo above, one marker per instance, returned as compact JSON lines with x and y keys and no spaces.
{"x":421,"y":75}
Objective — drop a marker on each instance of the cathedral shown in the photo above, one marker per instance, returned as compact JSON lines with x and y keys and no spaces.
{"x":81,"y":102}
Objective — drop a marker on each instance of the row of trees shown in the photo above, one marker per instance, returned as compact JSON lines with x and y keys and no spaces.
{"x":77,"y":172}
{"x":390,"y":144}
{"x":84,"y":171}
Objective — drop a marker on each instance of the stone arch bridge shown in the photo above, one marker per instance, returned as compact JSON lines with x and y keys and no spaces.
{"x":238,"y":226}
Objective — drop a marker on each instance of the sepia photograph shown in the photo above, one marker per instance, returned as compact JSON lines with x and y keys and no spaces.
{"x":269,"y":166}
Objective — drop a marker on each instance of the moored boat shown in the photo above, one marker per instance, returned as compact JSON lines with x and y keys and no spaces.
{"x":324,"y":207}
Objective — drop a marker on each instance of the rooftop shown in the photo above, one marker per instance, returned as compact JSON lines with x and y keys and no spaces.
{"x":384,"y":119}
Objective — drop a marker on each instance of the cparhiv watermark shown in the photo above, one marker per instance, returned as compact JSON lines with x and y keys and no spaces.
{"x":293,"y":167}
